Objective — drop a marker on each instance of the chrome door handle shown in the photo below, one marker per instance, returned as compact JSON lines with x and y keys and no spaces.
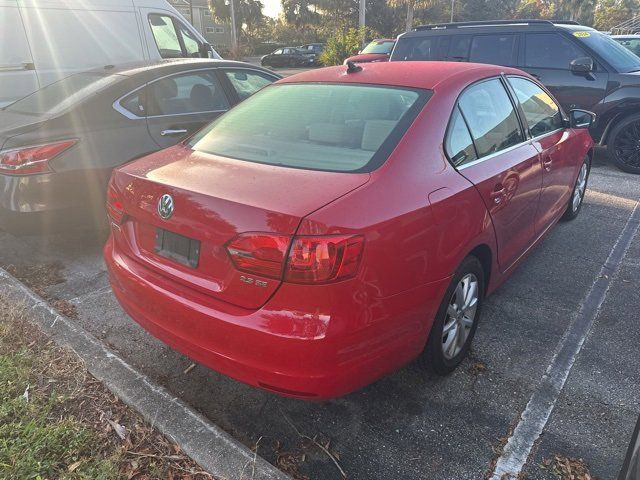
{"x":497,"y":193}
{"x":170,"y":133}
{"x":546,"y":163}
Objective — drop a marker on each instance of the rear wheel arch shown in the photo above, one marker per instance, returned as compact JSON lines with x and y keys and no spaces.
{"x":620,"y":116}
{"x":485,"y":256}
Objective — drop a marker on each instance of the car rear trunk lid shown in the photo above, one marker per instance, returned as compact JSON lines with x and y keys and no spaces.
{"x":214,"y":200}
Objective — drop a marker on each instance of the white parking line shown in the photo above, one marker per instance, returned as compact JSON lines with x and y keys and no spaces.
{"x":541,"y":404}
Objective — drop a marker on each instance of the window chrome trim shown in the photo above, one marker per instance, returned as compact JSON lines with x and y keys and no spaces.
{"x":508,"y":149}
{"x":117,"y":105}
{"x":494,"y":154}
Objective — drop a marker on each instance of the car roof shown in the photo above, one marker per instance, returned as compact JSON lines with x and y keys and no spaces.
{"x":425,"y":75}
{"x":497,"y":25}
{"x":130,"y":69}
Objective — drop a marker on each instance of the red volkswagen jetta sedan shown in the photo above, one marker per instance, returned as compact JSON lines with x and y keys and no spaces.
{"x":344,"y":222}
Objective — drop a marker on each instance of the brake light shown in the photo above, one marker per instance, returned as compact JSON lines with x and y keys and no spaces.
{"x":259,"y":253}
{"x":323,"y":259}
{"x":311,"y":259}
{"x":30,"y":160}
{"x":115,"y":206}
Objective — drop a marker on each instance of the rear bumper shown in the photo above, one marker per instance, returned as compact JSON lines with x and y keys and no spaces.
{"x":312,"y":343}
{"x":52,"y":202}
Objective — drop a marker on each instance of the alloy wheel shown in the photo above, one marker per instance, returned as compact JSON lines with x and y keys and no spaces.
{"x":461,"y":315}
{"x":627,"y":145}
{"x":581,"y":185}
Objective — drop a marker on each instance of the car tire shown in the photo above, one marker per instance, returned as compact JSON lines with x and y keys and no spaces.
{"x":623,"y":145}
{"x":444,"y":352}
{"x":579,"y":188}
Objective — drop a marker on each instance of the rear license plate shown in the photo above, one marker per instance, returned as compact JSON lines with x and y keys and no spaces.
{"x":177,"y":247}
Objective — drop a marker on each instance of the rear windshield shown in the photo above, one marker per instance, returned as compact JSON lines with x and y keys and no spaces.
{"x":378,"y":47}
{"x":61,"y":95}
{"x":612,"y":52}
{"x":333,"y":127}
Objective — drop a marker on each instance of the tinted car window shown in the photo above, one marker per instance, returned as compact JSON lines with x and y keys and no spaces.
{"x":314,"y":126}
{"x":186,"y":93}
{"x":491,"y":117}
{"x":134,"y":103}
{"x":632,"y":44}
{"x":540,"y":110}
{"x":550,"y":50}
{"x":615,"y":54}
{"x":59,"y":96}
{"x":493,"y":49}
{"x":459,"y":145}
{"x":417,"y":48}
{"x":459,"y":48}
{"x":246,"y":83}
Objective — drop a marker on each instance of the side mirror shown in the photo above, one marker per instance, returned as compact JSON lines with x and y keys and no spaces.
{"x":205,"y":50}
{"x":581,"y":65}
{"x":581,"y":118}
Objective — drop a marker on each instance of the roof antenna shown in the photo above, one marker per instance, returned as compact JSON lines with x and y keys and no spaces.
{"x":352,"y":67}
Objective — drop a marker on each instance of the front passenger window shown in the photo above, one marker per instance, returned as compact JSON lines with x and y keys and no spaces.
{"x":491,"y":117}
{"x":540,"y":110}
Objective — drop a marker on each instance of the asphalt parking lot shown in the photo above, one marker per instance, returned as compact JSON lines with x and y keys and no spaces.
{"x":411,"y":425}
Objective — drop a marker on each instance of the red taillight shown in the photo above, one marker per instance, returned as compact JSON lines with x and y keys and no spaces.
{"x":30,"y":160}
{"x":259,"y":253}
{"x":115,"y":207}
{"x":317,"y":259}
{"x":323,"y":259}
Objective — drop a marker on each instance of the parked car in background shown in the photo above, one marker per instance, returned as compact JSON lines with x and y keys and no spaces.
{"x":631,"y":42}
{"x":631,"y":466}
{"x":42,"y":42}
{"x":59,"y":144}
{"x":288,"y":57}
{"x":377,"y":51}
{"x":582,"y":67}
{"x":342,"y":222}
{"x":316,"y":48}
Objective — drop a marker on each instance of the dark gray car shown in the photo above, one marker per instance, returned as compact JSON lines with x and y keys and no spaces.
{"x":59,"y":144}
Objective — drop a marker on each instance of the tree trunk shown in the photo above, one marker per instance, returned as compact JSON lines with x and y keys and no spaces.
{"x":409,"y":24}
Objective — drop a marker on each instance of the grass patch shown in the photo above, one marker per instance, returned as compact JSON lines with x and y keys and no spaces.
{"x":57,"y":421}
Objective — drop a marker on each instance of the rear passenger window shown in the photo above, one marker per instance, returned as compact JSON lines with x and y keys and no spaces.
{"x":540,"y":110}
{"x":459,"y":48}
{"x":188,"y":93}
{"x":458,"y":145}
{"x":492,"y":120}
{"x":493,"y":49}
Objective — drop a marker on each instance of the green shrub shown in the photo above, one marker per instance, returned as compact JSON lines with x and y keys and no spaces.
{"x":343,"y":44}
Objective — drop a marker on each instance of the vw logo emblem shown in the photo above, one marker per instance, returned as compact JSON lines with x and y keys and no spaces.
{"x":165,"y":206}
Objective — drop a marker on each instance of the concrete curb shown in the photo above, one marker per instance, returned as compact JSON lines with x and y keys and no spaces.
{"x":214,"y":450}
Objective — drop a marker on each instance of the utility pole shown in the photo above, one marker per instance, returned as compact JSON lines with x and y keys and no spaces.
{"x":191,"y":12}
{"x":234,"y":33}
{"x":452,"y":1}
{"x":362,"y":19}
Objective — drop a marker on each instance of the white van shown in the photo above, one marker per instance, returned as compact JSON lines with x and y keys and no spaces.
{"x":42,"y":41}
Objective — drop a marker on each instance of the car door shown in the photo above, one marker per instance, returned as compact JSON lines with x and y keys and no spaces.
{"x":180,"y":104}
{"x":17,"y":71}
{"x":505,"y":169}
{"x":547,"y":57}
{"x":546,"y":126}
{"x":245,"y":82}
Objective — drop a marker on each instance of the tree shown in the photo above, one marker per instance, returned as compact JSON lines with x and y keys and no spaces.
{"x":248,"y":14}
{"x":610,"y":13}
{"x":411,"y":6}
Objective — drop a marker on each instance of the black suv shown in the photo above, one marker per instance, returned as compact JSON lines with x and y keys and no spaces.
{"x":582,"y":67}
